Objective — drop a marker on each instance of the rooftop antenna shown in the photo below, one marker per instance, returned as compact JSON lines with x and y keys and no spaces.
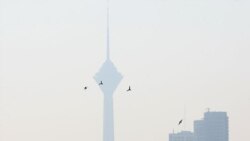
{"x":208,"y":109}
{"x":185,"y":117}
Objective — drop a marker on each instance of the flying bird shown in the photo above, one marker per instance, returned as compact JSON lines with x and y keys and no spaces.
{"x":129,"y":89}
{"x":101,"y":83}
{"x":180,"y":122}
{"x":85,"y":88}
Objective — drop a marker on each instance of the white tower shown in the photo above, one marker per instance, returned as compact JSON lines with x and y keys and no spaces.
{"x":110,"y":77}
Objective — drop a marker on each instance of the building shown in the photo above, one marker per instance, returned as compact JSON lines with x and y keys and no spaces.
{"x":199,"y":131}
{"x":181,"y":136}
{"x":214,"y":127}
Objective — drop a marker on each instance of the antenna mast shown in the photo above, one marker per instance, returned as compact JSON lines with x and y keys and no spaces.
{"x":108,"y":51}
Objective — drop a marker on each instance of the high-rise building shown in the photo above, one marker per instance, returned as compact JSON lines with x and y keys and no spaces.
{"x":214,"y":127}
{"x":199,"y":132}
{"x":181,"y":136}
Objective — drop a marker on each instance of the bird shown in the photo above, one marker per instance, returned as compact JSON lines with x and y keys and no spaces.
{"x":180,"y":122}
{"x":101,"y":83}
{"x":85,"y":88}
{"x":129,"y":89}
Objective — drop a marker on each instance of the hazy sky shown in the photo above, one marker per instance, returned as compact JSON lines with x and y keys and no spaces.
{"x":172,"y":52}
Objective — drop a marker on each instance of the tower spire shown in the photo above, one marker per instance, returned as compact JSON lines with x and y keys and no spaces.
{"x":108,"y":51}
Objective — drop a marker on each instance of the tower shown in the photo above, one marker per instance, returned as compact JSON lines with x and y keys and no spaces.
{"x":110,"y":77}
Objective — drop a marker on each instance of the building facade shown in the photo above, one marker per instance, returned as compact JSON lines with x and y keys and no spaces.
{"x":181,"y":136}
{"x":214,"y":127}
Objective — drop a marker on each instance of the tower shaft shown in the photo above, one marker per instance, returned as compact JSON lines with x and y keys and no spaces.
{"x":108,"y":121}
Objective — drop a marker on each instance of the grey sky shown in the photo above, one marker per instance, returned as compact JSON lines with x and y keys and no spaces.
{"x":172,"y":52}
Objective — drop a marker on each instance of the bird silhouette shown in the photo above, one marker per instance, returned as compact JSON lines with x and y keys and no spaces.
{"x":180,"y":122}
{"x":85,"y":88}
{"x":101,"y":83}
{"x":129,"y":89}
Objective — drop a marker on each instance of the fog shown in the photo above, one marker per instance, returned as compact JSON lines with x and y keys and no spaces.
{"x":177,"y":55}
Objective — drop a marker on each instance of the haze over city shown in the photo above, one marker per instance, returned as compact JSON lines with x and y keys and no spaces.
{"x":178,"y":55}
